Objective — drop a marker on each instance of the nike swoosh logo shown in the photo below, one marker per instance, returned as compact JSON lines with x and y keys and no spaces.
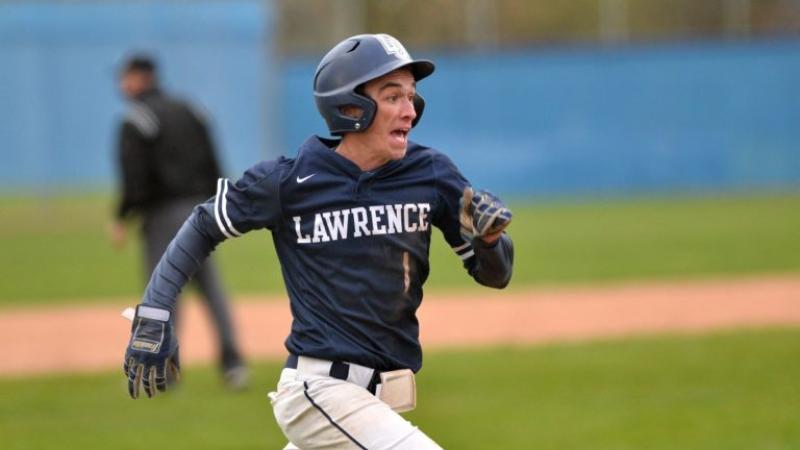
{"x":300,"y":180}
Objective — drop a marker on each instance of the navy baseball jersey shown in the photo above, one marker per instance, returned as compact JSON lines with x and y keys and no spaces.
{"x":353,"y":245}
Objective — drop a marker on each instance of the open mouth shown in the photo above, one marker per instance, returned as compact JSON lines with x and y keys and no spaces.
{"x":400,"y":133}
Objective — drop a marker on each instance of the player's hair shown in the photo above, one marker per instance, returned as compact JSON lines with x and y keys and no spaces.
{"x":139,"y":63}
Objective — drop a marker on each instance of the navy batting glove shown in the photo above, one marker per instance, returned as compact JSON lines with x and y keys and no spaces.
{"x":151,"y":352}
{"x":482,"y":214}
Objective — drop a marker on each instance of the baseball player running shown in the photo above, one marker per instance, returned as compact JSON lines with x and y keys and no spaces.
{"x":351,"y":221}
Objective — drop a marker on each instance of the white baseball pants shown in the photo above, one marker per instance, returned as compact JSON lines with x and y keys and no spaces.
{"x":322,"y":412}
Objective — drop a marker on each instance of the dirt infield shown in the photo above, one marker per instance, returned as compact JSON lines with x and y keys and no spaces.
{"x":72,"y":339}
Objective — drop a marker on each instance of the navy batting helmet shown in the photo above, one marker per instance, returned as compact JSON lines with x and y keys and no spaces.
{"x":350,"y":64}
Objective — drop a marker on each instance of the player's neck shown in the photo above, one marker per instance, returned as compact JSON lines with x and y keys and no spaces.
{"x":360,"y":154}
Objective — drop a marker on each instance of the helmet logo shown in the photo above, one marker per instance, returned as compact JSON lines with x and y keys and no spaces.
{"x":392,"y":46}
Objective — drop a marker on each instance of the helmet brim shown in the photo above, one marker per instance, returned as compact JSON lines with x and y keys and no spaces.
{"x":421,"y":68}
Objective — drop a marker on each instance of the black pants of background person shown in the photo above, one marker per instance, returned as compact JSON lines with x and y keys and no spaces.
{"x":159,"y":226}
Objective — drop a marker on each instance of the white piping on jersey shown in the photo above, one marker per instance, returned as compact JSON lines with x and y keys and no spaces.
{"x":460,"y":247}
{"x":220,"y":204}
{"x":216,"y":210}
{"x":225,"y":209}
{"x":464,"y":251}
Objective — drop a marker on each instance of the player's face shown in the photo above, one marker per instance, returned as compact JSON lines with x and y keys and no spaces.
{"x":134,"y":83}
{"x":394,"y":95}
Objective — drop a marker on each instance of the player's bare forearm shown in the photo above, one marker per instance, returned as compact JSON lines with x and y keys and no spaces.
{"x":493,"y":261}
{"x":492,"y":238}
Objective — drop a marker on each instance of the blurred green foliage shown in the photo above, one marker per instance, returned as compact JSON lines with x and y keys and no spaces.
{"x":736,"y":390}
{"x":56,"y":249}
{"x":311,"y":27}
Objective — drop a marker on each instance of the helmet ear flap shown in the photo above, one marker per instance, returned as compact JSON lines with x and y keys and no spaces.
{"x":340,"y":123}
{"x":419,"y":108}
{"x":369,"y":115}
{"x":369,"y":108}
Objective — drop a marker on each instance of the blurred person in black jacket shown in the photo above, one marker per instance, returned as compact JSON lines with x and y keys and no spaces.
{"x":167,"y":165}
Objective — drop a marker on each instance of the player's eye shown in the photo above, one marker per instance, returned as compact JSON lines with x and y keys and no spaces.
{"x":393,"y":98}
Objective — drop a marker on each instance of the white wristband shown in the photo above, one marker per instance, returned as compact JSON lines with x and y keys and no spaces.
{"x":149,"y":312}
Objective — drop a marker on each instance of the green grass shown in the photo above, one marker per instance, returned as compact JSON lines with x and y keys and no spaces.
{"x":735,"y":390}
{"x":55,"y":250}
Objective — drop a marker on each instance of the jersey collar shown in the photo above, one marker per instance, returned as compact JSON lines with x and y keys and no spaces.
{"x":323,"y":148}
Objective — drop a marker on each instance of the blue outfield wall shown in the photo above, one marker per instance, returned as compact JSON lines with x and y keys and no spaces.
{"x":58,"y":86}
{"x":688,"y":118}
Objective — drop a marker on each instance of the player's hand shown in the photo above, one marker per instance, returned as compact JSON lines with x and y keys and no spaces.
{"x":117,"y":234}
{"x":151,"y":352}
{"x":483,"y":215}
